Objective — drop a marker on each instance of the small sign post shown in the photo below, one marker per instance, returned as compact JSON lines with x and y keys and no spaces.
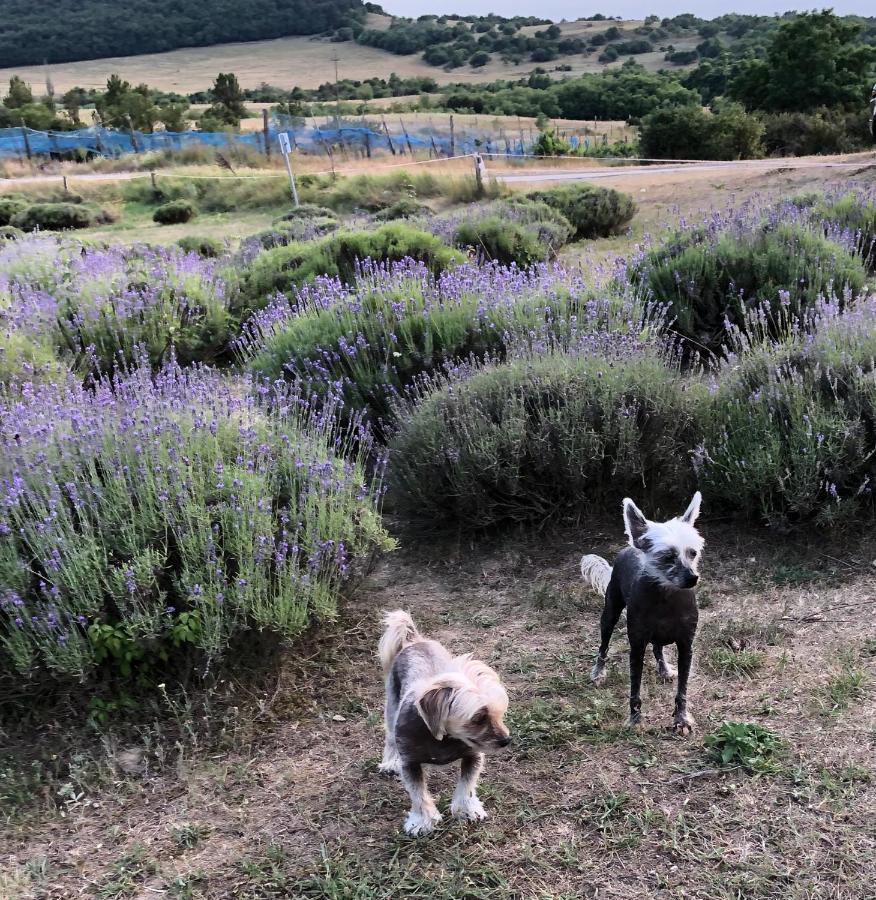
{"x":286,"y":149}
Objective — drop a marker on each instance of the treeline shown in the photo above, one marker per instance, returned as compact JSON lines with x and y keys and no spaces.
{"x":66,"y":30}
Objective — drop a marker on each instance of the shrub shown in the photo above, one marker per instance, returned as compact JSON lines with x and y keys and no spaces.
{"x":205,"y":247}
{"x":338,"y":255}
{"x":789,"y":433}
{"x":176,"y":212}
{"x":593,"y":211}
{"x":97,"y":305}
{"x":401,"y":321}
{"x":709,"y":279}
{"x":306,"y":211}
{"x":54,"y":217}
{"x":689,"y":132}
{"x":502,"y":241}
{"x":405,"y":208}
{"x":10,"y":233}
{"x":158,"y":515}
{"x":544,"y":434}
{"x":853,"y":215}
{"x":820,"y":131}
{"x":9,"y":207}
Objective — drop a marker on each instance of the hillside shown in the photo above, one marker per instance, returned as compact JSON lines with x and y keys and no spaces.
{"x":307,"y":62}
{"x":67,"y":30}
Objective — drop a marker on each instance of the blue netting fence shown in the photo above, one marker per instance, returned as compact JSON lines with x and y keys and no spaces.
{"x":364,"y":138}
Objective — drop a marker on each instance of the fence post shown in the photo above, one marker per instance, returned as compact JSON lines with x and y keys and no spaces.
{"x":388,"y":138}
{"x":480,"y":172}
{"x":154,"y":181}
{"x":452,"y":138}
{"x":267,"y":133}
{"x":407,"y":137}
{"x":133,"y":136}
{"x":26,"y":141}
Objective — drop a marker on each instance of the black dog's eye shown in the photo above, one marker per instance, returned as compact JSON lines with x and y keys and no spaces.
{"x":691,"y":554}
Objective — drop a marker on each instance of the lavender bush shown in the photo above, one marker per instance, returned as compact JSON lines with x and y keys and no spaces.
{"x":167,"y":511}
{"x":790,"y":432}
{"x":547,"y":433}
{"x":96,"y":305}
{"x":400,"y":321}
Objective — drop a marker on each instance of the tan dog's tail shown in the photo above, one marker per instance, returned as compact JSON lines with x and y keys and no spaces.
{"x":399,"y":632}
{"x":596,"y":572}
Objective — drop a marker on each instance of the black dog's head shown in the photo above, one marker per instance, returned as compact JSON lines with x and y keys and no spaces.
{"x":671,"y":549}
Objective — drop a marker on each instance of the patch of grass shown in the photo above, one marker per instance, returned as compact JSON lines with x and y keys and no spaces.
{"x":869,"y":647}
{"x":727,"y":663}
{"x":840,"y":691}
{"x":746,"y":744}
{"x":126,"y":875}
{"x":182,"y":887}
{"x":188,"y":834}
{"x":794,"y":575}
{"x":556,"y":725}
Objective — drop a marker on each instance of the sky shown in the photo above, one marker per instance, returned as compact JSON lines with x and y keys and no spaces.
{"x":627,"y":9}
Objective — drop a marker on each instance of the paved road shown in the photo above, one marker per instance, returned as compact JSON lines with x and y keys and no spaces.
{"x":650,"y":170}
{"x":534,"y":175}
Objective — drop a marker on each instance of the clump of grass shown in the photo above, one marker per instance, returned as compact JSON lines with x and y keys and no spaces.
{"x":556,"y":725}
{"x":754,"y":748}
{"x":727,"y":662}
{"x":840,"y":691}
{"x":188,"y":835}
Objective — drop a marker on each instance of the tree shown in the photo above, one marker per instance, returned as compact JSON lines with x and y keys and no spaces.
{"x":19,"y":94}
{"x":228,"y":100}
{"x":690,"y":132}
{"x":812,"y":61}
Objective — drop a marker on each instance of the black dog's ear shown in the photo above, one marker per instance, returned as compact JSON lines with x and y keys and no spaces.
{"x":692,"y":512}
{"x":434,"y":707}
{"x":635,"y":525}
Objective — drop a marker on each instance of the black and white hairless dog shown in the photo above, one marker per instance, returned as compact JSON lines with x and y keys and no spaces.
{"x":654,"y":579}
{"x":439,"y":709}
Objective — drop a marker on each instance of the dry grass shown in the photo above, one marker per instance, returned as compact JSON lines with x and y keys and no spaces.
{"x":581,"y":806}
{"x":302,"y":61}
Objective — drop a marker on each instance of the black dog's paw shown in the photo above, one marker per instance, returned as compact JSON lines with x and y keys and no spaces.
{"x":683,"y":724}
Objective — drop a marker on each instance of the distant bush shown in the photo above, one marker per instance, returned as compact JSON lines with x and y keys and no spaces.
{"x":227,"y":517}
{"x":406,"y":208}
{"x":54,"y":217}
{"x":689,"y":132}
{"x":542,"y":435}
{"x":10,"y":233}
{"x":306,"y":211}
{"x":206,"y":247}
{"x":337,"y":256}
{"x":709,"y":280}
{"x":9,"y":207}
{"x":505,"y":242}
{"x":176,"y":212}
{"x":822,"y":131}
{"x":593,"y":211}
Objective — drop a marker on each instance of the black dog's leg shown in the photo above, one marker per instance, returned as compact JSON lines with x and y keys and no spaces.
{"x":664,"y":670}
{"x":682,"y":721}
{"x":637,"y":660}
{"x":614,"y":606}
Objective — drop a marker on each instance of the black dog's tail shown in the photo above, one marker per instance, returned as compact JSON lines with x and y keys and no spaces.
{"x":399,"y":632}
{"x":596,"y":572}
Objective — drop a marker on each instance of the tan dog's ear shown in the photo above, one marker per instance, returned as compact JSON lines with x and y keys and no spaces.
{"x":434,"y":708}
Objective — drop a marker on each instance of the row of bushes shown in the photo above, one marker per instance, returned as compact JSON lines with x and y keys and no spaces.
{"x":21,"y":212}
{"x":783,"y":432}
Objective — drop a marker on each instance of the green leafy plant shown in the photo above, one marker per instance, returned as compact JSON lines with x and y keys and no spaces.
{"x":754,"y":748}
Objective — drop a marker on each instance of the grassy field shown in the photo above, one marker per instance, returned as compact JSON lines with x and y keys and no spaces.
{"x":302,"y":61}
{"x":581,"y":806}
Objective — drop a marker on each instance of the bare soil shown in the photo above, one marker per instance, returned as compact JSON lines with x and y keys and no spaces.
{"x":581,"y":806}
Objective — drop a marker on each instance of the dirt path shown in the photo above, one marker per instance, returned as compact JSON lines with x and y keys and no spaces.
{"x":580,"y":807}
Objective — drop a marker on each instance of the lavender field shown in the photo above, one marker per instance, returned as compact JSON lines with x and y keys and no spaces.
{"x":220,"y":461}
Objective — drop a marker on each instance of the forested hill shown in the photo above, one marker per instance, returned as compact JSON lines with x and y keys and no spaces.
{"x":37,"y":31}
